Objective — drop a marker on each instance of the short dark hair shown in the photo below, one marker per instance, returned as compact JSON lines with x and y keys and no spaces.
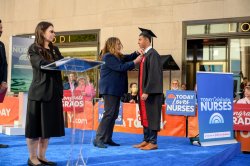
{"x":146,"y":36}
{"x":132,"y":83}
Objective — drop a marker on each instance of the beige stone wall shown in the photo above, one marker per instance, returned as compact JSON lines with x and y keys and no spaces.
{"x":120,"y":18}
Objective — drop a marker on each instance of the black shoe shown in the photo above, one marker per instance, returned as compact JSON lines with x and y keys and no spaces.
{"x":99,"y":144}
{"x":4,"y":146}
{"x":246,"y":152}
{"x":112,"y":143}
{"x":32,"y":164}
{"x":47,"y":162}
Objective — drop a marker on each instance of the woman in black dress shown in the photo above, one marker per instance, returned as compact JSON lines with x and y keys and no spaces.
{"x":44,"y":110}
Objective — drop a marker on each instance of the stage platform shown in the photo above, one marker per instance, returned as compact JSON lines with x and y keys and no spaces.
{"x":172,"y":151}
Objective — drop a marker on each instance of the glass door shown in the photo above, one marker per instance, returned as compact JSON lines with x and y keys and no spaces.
{"x":239,"y":61}
{"x":211,"y":66}
{"x":205,"y":55}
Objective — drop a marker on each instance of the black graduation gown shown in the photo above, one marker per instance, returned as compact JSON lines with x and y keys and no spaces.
{"x":151,"y":82}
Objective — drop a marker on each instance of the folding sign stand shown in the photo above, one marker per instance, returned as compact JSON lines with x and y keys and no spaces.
{"x":81,"y":117}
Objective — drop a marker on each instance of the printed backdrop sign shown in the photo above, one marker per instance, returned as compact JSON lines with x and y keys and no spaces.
{"x":9,"y":110}
{"x":118,"y":121}
{"x":21,"y":71}
{"x":241,"y":117}
{"x":73,"y":101}
{"x":215,"y":106}
{"x":180,"y":102}
{"x":244,"y":138}
{"x":171,"y":125}
{"x":82,"y":120}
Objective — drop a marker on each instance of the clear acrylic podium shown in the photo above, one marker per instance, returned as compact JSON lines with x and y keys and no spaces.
{"x":81,"y":117}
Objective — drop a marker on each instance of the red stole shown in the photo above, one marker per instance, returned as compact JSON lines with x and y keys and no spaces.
{"x":143,"y":112}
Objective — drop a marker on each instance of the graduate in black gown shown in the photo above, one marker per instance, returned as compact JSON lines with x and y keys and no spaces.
{"x":150,"y":91}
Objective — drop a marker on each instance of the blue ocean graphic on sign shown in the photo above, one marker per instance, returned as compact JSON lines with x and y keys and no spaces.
{"x":180,"y":102}
{"x":21,"y":70}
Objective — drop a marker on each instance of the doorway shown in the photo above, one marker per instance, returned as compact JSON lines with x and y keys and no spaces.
{"x":218,"y":55}
{"x":208,"y":55}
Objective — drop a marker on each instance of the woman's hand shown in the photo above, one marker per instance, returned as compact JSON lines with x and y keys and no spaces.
{"x":138,"y":59}
{"x":140,"y":52}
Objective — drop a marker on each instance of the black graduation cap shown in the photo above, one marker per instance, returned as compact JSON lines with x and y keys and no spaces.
{"x":147,"y":33}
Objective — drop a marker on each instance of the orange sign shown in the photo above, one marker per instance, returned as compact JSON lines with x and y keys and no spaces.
{"x":193,"y":126}
{"x":131,"y":119}
{"x":9,"y":110}
{"x":83,"y":119}
{"x":244,"y":138}
{"x":170,"y":125}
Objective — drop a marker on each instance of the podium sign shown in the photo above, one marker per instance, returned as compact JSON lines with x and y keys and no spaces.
{"x":215,"y":108}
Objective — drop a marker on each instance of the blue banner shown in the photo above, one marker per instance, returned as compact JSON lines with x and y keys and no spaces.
{"x":21,"y":71}
{"x":215,"y":106}
{"x":119,"y":120}
{"x":180,"y":102}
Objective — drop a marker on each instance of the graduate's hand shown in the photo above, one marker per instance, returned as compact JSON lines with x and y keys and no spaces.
{"x":144,"y":96}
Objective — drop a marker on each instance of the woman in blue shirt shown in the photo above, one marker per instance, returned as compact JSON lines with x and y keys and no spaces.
{"x":113,"y":84}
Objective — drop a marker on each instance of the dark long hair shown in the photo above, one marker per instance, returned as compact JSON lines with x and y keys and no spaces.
{"x":39,"y":39}
{"x":110,"y":47}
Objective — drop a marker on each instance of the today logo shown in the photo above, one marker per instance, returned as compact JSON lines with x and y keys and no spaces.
{"x":216,"y":118}
{"x":171,"y":96}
